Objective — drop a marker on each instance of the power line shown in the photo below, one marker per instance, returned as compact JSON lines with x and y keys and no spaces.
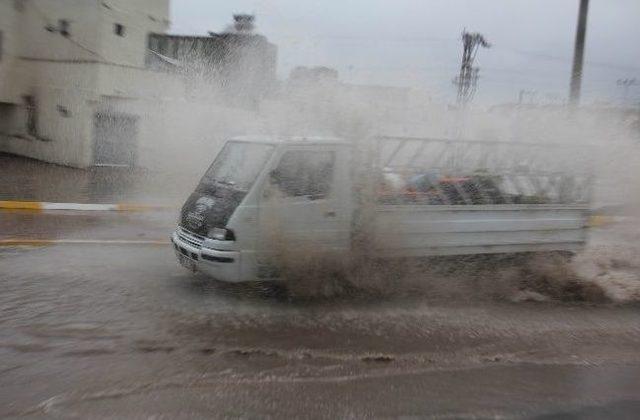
{"x":417,"y":42}
{"x":87,"y":49}
{"x":551,"y":57}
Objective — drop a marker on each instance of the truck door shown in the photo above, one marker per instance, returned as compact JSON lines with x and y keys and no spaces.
{"x":305,"y":202}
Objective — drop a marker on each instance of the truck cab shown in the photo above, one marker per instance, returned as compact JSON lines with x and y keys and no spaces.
{"x":258,"y":193}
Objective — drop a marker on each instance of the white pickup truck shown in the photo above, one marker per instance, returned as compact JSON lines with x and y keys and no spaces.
{"x":408,"y":197}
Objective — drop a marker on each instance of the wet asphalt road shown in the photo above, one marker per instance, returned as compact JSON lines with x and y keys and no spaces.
{"x":121,"y":331}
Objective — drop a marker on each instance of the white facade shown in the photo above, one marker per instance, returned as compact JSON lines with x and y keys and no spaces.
{"x":63,"y":62}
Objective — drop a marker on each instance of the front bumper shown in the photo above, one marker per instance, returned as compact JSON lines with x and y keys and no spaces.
{"x":222,"y":265}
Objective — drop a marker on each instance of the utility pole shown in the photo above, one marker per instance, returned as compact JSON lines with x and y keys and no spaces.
{"x":467,"y":80}
{"x":578,"y":54}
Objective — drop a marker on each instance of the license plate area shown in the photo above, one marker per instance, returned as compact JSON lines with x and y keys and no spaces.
{"x":186,"y":262}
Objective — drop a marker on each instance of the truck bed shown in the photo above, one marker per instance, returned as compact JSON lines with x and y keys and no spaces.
{"x":427,"y":230}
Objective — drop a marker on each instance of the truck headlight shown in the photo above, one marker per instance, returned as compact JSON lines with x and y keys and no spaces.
{"x":221,"y":234}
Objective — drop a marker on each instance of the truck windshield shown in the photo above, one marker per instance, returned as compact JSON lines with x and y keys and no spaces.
{"x":237,"y":165}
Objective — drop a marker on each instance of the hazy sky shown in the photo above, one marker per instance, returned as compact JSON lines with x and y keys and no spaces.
{"x":417,"y":42}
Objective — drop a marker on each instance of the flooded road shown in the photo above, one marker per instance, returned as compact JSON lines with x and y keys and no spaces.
{"x":120,"y":330}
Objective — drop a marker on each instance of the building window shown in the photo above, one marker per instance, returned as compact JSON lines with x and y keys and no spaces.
{"x":118,"y":29}
{"x":63,"y":111}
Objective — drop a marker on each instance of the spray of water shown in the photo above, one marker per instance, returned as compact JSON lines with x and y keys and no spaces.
{"x":194,"y":119}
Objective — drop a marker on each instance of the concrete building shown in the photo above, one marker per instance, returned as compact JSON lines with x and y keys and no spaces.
{"x":70,"y":71}
{"x":77,"y":87}
{"x":319,"y":94}
{"x":240,"y":66}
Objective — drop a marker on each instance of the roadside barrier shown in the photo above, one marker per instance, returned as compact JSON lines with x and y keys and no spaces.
{"x":40,"y":205}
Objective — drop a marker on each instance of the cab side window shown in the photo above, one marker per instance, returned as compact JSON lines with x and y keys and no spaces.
{"x":302,"y":173}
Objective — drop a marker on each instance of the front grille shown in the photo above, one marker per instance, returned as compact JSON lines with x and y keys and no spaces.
{"x":190,"y":238}
{"x":217,"y":259}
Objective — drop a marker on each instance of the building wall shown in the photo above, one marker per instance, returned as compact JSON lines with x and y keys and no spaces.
{"x":153,"y":10}
{"x":69,"y":75}
{"x":138,"y":18}
{"x":91,"y":35}
{"x":40,"y":26}
{"x":241,"y":67}
{"x":9,"y":50}
{"x":92,"y":71}
{"x":63,"y":113}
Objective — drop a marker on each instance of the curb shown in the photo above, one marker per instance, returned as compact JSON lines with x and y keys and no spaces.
{"x":599,"y":220}
{"x":44,"y":242}
{"x":41,"y":205}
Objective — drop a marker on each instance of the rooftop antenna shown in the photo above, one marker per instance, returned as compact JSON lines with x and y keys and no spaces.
{"x":244,"y":23}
